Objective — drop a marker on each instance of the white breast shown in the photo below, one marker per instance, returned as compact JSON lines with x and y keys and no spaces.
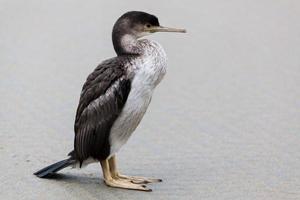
{"x":148,"y":70}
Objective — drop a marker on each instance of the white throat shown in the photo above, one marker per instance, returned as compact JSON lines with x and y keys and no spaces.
{"x":129,"y":43}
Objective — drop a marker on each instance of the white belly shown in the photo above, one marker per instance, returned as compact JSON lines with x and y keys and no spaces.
{"x":129,"y":119}
{"x":149,"y":70}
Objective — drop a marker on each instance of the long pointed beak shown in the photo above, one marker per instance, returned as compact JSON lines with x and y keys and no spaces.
{"x":165,"y":29}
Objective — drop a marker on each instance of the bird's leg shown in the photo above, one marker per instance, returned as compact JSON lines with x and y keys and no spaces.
{"x":113,"y":182}
{"x":134,"y":179}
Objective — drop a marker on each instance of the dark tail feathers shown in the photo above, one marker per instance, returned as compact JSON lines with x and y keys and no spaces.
{"x":51,"y":169}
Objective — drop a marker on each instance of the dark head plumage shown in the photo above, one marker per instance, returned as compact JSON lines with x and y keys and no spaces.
{"x":139,"y":18}
{"x":134,"y":25}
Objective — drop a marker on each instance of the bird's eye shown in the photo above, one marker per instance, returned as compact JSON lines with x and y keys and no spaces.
{"x":148,"y":25}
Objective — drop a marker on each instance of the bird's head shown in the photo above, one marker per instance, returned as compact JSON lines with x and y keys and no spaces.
{"x":139,"y":24}
{"x":134,"y":25}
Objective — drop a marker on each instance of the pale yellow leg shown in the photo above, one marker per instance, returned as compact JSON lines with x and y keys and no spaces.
{"x":113,"y":182}
{"x":134,"y":179}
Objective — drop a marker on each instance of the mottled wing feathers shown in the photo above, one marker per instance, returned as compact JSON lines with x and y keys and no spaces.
{"x":102,"y":98}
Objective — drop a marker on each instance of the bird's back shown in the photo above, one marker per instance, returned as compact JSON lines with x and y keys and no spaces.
{"x":101,"y":101}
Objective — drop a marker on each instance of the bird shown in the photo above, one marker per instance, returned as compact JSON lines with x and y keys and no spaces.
{"x":114,"y":99}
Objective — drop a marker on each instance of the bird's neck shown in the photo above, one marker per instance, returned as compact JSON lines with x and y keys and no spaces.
{"x":126,"y":44}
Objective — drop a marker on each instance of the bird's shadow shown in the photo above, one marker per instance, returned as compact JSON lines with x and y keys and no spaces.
{"x":74,"y":178}
{"x":89,"y":183}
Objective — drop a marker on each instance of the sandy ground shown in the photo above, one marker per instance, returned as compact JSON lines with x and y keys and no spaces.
{"x":223,"y":124}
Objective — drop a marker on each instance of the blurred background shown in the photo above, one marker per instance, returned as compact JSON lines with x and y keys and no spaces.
{"x":223,"y":124}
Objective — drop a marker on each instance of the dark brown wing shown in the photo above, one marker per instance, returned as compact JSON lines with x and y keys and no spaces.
{"x":102,"y":98}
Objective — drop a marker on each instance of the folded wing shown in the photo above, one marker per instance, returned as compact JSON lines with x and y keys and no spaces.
{"x":103,"y":96}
